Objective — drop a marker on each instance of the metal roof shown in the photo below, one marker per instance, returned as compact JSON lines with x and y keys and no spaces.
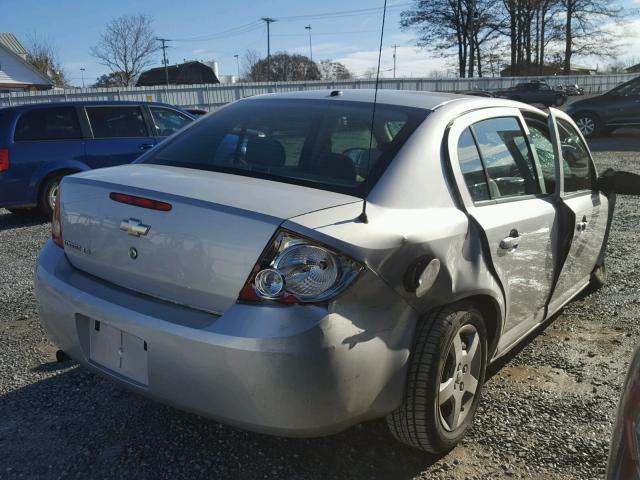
{"x":10,"y":41}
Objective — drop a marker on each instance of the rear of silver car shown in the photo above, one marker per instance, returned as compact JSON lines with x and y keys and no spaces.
{"x":149,"y":296}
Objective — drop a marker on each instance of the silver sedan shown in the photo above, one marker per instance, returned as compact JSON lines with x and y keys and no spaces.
{"x":295,"y":264}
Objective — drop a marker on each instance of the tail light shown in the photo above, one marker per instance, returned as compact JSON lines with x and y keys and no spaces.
{"x":140,"y":201}
{"x":296,"y":270}
{"x":56,"y":222}
{"x":4,"y":159}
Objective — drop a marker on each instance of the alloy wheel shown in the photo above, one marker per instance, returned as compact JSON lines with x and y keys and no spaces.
{"x":586,"y":125}
{"x":459,"y":380}
{"x":53,"y":195}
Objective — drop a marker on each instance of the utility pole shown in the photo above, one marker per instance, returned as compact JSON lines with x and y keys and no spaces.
{"x":268,"y":21}
{"x":237,"y":57}
{"x":82,"y":73}
{"x":308,"y":27}
{"x":395,"y":55}
{"x":164,"y":58}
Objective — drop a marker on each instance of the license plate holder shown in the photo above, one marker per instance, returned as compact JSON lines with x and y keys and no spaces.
{"x":119,"y":351}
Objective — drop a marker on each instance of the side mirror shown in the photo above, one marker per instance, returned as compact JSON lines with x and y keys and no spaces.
{"x":621,"y":183}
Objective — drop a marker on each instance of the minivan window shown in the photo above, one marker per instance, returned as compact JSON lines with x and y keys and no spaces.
{"x":167,"y":121}
{"x":59,"y":123}
{"x":324,"y":144}
{"x":507,"y":157}
{"x":117,"y":122}
{"x":471,"y":167}
{"x":578,"y":175}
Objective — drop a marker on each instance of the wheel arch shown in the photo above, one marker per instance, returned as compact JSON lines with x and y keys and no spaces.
{"x":492,"y":316}
{"x":54,"y":173}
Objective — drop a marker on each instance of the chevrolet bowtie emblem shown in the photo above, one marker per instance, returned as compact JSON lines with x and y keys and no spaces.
{"x":134,"y":227}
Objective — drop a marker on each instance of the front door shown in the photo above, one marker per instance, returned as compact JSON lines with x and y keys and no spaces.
{"x":589,"y":208}
{"x":120,"y":135}
{"x":504,"y":194}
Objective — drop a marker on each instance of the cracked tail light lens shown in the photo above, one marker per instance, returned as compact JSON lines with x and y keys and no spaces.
{"x":56,"y":222}
{"x":296,"y":270}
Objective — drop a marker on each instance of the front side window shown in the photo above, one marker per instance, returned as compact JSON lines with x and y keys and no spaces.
{"x":507,"y":157}
{"x":631,"y":89}
{"x":471,"y":167}
{"x":324,"y":144}
{"x":168,"y":122}
{"x":578,"y":173}
{"x":48,"y":124}
{"x":117,"y":122}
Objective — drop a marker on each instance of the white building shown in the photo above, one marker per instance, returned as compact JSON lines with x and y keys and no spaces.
{"x":16,"y":73}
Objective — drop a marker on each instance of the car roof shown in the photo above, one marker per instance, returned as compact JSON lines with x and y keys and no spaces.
{"x":405,"y":98}
{"x":83,"y":103}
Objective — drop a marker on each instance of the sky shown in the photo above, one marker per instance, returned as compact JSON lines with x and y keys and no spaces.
{"x":349,"y":34}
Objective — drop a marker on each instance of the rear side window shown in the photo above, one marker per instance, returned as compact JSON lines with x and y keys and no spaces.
{"x":48,"y":124}
{"x":117,"y":122}
{"x":471,"y":167}
{"x":578,"y":175}
{"x":168,"y":122}
{"x":507,"y":157}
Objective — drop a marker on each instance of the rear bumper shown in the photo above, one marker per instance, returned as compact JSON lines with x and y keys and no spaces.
{"x":294,"y":371}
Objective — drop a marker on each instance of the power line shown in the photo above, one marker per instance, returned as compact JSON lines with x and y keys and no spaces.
{"x":344,"y":13}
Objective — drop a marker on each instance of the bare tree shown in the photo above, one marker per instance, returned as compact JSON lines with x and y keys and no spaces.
{"x":586,"y":31}
{"x":454,"y":27}
{"x":285,"y":67}
{"x":249,"y":59}
{"x":330,"y":70}
{"x":127,"y":46}
{"x":42,"y":55}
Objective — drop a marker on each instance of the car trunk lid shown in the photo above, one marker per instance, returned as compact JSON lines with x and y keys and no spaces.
{"x":201,"y":251}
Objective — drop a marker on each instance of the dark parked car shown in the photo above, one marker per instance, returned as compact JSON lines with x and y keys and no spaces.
{"x":534,"y":93}
{"x":617,"y":108}
{"x":40,"y":144}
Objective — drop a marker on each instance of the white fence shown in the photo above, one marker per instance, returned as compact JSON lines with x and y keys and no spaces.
{"x":210,"y":97}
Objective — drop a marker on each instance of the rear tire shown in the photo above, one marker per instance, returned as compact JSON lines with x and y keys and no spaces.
{"x":48,"y":195}
{"x":559,"y":101}
{"x":449,"y":350}
{"x":598,"y":278}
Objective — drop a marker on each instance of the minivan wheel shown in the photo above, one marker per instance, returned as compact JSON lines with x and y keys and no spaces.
{"x":48,"y":196}
{"x":446,"y":372}
{"x":588,"y":124}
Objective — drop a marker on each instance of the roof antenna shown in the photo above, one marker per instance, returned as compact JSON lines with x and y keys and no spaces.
{"x":363,"y":216}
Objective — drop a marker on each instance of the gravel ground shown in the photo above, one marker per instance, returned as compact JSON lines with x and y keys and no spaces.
{"x":546,"y":413}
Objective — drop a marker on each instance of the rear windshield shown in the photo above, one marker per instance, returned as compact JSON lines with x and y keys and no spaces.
{"x":323,"y":144}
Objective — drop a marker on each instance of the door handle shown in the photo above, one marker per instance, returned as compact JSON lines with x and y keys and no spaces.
{"x":146,"y":146}
{"x":512,"y":241}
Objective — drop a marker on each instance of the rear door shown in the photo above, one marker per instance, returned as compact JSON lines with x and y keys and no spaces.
{"x":588,"y":206}
{"x":501,"y":187}
{"x":44,"y":139}
{"x":120,"y":135}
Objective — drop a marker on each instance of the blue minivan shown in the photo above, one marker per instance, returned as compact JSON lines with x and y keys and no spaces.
{"x":39,"y":144}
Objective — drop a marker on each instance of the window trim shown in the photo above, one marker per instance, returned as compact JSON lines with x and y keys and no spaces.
{"x":592,"y":167}
{"x":82,"y":136}
{"x":90,"y":126}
